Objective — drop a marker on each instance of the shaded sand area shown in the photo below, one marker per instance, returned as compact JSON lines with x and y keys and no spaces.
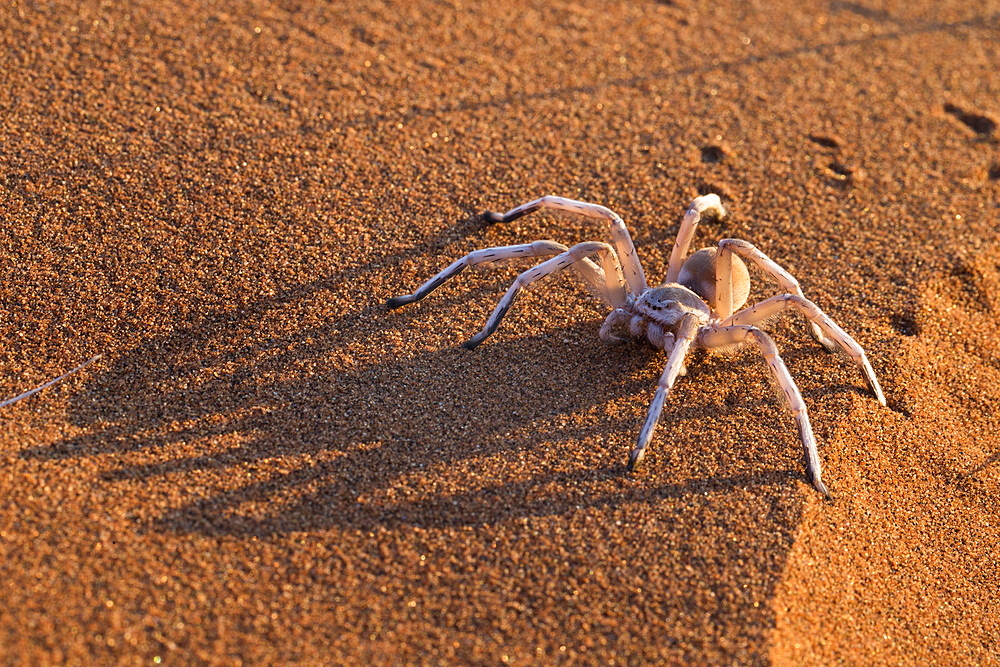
{"x":267,"y":466}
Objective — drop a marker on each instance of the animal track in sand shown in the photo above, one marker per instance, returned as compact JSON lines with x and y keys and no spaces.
{"x":905,"y":324}
{"x":984,"y":126}
{"x":839,"y":171}
{"x":825,"y":140}
{"x":712,"y":154}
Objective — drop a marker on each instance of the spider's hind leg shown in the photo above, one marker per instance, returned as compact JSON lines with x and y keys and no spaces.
{"x":787,"y":282}
{"x":730,"y":335}
{"x":705,"y":206}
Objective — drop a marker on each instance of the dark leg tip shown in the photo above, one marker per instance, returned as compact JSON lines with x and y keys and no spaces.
{"x":471,"y":344}
{"x":876,"y":390}
{"x":396,"y":302}
{"x":491,"y":217}
{"x":821,"y":487}
{"x":634,"y":459}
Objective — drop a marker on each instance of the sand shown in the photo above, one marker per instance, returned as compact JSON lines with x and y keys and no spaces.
{"x":269,"y":467}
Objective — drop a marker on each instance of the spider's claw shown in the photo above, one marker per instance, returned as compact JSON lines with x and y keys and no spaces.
{"x":821,"y":487}
{"x":491,"y":217}
{"x":635,"y":458}
{"x":473,"y":342}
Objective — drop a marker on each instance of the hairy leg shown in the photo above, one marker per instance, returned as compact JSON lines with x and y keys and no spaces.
{"x":739,"y":334}
{"x":769,"y":307}
{"x":620,"y":237}
{"x":686,"y":332}
{"x":724,"y":282}
{"x":701,"y":205}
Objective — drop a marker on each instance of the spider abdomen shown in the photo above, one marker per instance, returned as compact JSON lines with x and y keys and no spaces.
{"x":698,"y":275}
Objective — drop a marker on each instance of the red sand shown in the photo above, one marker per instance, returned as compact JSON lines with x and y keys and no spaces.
{"x":268,"y":467}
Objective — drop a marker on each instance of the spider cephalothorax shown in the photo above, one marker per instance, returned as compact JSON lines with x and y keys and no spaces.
{"x":698,"y":304}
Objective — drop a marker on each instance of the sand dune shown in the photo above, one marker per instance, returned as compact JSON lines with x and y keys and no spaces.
{"x":267,"y":466}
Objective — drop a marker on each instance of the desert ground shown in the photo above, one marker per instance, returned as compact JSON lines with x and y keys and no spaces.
{"x":268,"y":466}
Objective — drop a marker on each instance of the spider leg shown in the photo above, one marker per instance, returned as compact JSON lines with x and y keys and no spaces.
{"x":738,"y":334}
{"x":574,"y":255}
{"x":536,"y":249}
{"x":635,"y":278}
{"x":724,"y":283}
{"x":776,"y":304}
{"x":706,"y":204}
{"x":686,"y":332}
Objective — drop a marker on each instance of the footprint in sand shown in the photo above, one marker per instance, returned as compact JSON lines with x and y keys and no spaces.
{"x":836,"y":170}
{"x":984,"y":129}
{"x":984,"y":126}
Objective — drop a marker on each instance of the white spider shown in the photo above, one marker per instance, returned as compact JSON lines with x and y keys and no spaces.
{"x":694,"y":306}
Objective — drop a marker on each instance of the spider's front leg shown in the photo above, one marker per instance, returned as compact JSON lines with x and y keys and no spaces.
{"x":686,"y":331}
{"x":536,"y":249}
{"x":768,"y":307}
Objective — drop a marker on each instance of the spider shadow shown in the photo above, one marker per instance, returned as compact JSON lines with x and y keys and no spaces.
{"x":240,"y":428}
{"x":223,"y":377}
{"x":490,"y":505}
{"x":225,"y":384}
